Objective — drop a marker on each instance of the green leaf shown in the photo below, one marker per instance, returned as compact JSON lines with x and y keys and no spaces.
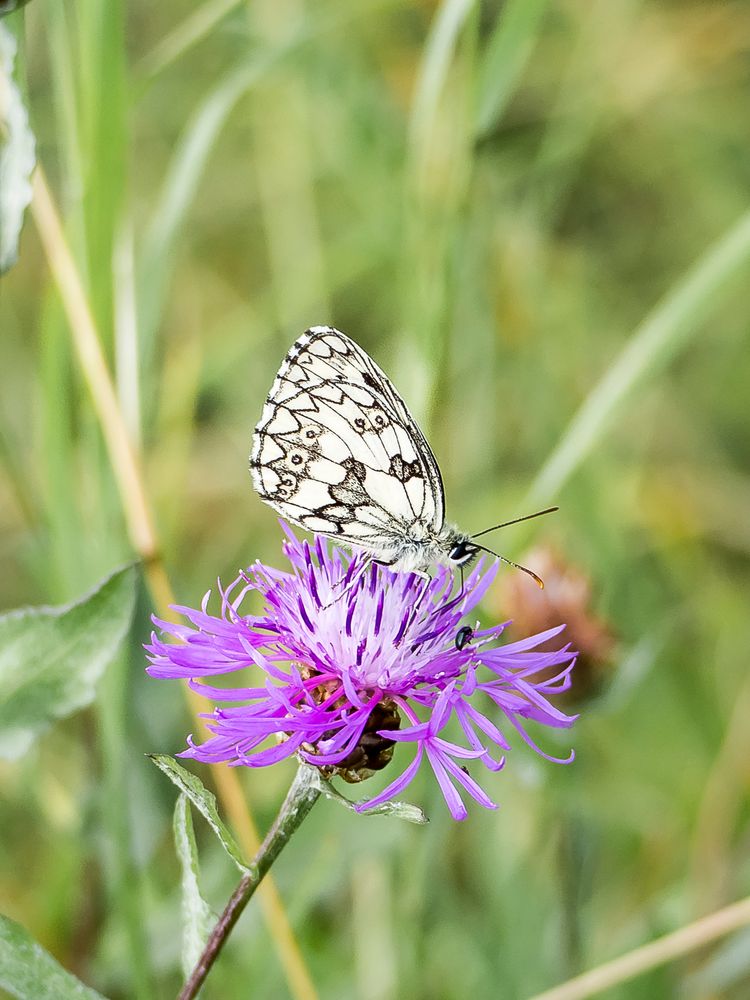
{"x":507,"y":53}
{"x":439,"y":52}
{"x":401,"y":810}
{"x":29,"y":972}
{"x":197,"y":916}
{"x":203,"y":800}
{"x":51,"y":658}
{"x":667,"y":329}
{"x":8,"y":6}
{"x":185,"y":35}
{"x":17,"y":158}
{"x":177,"y":195}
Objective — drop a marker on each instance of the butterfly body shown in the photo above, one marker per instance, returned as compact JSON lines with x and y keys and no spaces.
{"x":336,"y":451}
{"x":411,"y":549}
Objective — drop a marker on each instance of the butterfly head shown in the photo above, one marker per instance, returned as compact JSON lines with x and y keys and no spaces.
{"x":461,"y":549}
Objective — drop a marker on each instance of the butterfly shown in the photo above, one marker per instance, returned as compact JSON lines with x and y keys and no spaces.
{"x":336,"y":451}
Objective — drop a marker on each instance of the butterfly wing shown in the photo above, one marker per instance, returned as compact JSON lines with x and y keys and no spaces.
{"x":336,"y":450}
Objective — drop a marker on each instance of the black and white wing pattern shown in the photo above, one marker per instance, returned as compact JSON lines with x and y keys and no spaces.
{"x":336,"y":450}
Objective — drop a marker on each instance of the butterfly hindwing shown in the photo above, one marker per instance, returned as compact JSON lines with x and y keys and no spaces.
{"x":336,"y":450}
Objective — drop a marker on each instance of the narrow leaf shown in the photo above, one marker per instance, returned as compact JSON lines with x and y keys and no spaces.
{"x":29,"y":972}
{"x":16,"y":154}
{"x":507,"y":53}
{"x":178,"y":192}
{"x":197,"y":916}
{"x":666,"y":330}
{"x":203,"y":800}
{"x":185,"y":35}
{"x":401,"y":810}
{"x":51,"y":658}
{"x":433,"y":73}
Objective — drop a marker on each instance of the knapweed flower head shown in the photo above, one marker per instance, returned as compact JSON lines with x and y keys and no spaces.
{"x":354,"y":658}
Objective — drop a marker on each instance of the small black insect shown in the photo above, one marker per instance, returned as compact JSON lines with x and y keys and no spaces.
{"x":463,"y":636}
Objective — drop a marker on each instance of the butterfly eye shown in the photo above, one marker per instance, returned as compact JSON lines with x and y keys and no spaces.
{"x":379,"y":420}
{"x":310,"y":433}
{"x":461,"y":552}
{"x":359,"y":423}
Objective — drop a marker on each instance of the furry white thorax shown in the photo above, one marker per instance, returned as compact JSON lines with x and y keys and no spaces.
{"x":418,"y":550}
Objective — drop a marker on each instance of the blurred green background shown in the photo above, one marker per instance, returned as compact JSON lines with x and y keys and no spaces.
{"x":492,"y":199}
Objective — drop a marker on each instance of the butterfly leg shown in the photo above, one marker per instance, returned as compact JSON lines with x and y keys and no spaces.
{"x":383,"y":562}
{"x":460,"y":596}
{"x":415,"y":607}
{"x":366,"y":563}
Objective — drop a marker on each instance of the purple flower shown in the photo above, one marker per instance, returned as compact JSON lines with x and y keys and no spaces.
{"x":355,"y":658}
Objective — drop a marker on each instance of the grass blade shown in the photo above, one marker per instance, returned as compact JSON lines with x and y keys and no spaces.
{"x":665,"y":331}
{"x":507,"y":53}
{"x":187,"y":34}
{"x":178,"y":192}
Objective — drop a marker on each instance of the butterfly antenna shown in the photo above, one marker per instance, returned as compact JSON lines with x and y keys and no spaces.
{"x":516,"y":520}
{"x":524,"y":569}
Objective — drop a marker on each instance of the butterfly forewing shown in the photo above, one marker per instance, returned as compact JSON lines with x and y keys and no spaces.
{"x":336,"y":450}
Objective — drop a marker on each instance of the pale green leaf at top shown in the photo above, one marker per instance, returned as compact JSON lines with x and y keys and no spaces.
{"x":28,"y":972}
{"x":174,"y":201}
{"x":401,"y":810}
{"x":203,"y":800}
{"x":17,"y":157}
{"x":667,"y":329}
{"x":8,"y":6}
{"x":433,"y":73}
{"x":187,"y":33}
{"x":197,"y":916}
{"x":507,"y":52}
{"x":52,"y":658}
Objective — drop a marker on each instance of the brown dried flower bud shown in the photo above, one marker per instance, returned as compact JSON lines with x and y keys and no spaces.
{"x":566,"y":598}
{"x":373,"y":752}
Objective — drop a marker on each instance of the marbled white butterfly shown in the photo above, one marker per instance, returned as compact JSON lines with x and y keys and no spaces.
{"x":337,"y":452}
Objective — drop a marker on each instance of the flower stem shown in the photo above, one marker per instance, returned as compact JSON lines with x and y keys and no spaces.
{"x":649,"y":956}
{"x":300,"y":799}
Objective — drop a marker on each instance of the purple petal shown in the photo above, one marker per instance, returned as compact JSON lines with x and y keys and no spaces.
{"x":471,"y":786}
{"x":395,"y":787}
{"x":452,"y":798}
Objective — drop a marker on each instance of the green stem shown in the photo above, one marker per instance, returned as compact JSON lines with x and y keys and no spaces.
{"x":300,"y":799}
